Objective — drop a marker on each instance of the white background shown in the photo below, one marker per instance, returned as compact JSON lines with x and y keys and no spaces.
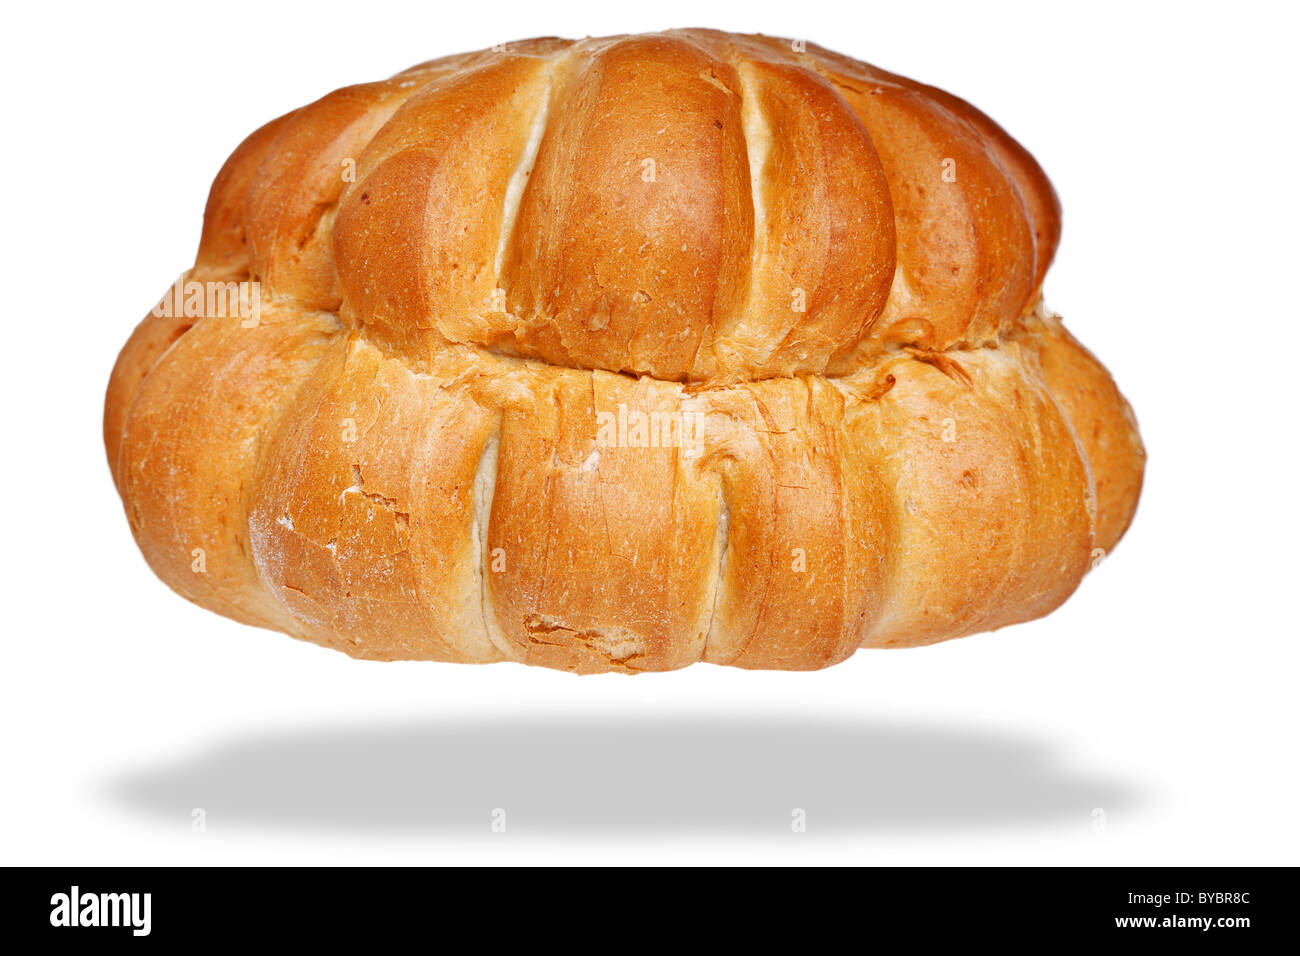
{"x":1163,"y":694}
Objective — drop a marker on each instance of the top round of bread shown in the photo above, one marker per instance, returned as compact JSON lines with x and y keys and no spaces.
{"x":831,"y":271}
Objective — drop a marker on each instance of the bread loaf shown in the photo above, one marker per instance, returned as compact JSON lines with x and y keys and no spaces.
{"x":620,"y":354}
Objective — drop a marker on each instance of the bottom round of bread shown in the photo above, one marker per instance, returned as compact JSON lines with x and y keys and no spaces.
{"x":463,"y":506}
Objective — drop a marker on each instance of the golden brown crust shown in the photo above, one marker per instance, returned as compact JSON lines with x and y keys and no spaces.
{"x":621,"y":354}
{"x":1103,"y":420}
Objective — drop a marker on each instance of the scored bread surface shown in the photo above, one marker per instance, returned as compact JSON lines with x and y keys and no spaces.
{"x":819,"y":283}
